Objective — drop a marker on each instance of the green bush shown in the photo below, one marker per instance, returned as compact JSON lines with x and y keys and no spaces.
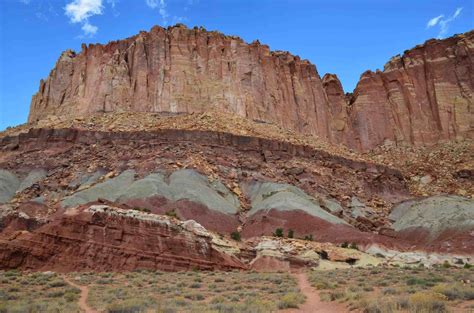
{"x":57,"y":283}
{"x":172,"y":213}
{"x":235,"y":235}
{"x":128,"y":306}
{"x":291,"y":300}
{"x":278,"y":232}
{"x":290,"y":233}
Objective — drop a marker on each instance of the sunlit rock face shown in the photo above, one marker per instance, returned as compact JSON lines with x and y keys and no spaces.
{"x":422,"y":97}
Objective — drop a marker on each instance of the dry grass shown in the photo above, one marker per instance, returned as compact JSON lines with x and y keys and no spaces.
{"x":141,"y":291}
{"x":388,"y":289}
{"x":36,"y":292}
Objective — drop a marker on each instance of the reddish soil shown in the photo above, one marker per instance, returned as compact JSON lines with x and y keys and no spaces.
{"x":84,"y":294}
{"x":313,"y":302}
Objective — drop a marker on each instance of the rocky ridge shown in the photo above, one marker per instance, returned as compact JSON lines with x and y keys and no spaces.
{"x":422,"y":97}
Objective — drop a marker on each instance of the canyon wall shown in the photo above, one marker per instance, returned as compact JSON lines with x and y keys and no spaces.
{"x":422,"y":97}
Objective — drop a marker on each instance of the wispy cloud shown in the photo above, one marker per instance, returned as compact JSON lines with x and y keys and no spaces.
{"x":161,"y":5}
{"x":443,"y":22}
{"x":88,"y":29}
{"x":434,"y":21}
{"x":25,"y":1}
{"x":79,"y":11}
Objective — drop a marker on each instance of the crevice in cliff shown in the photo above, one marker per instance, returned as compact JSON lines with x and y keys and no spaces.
{"x":430,"y":85}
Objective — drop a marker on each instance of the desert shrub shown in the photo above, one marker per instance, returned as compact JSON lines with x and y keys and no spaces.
{"x":308,"y":237}
{"x":322,"y":285}
{"x":446,"y":264}
{"x":332,"y":295}
{"x":172,"y":213}
{"x":12,"y":273}
{"x":377,"y":306}
{"x":194,"y":296}
{"x":354,"y":246}
{"x":290,"y":233}
{"x":55,"y":294}
{"x":426,"y":301}
{"x":389,"y":291}
{"x":278,"y":232}
{"x":128,"y":306}
{"x":235,"y":235}
{"x":57,"y":283}
{"x":416,"y":281}
{"x":345,"y":244}
{"x":142,"y":210}
{"x":70,"y":296}
{"x":291,"y":300}
{"x":455,"y":291}
{"x":195,"y":285}
{"x":467,"y":265}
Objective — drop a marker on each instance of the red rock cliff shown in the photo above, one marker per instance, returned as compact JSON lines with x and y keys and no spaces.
{"x":186,"y":70}
{"x":423,"y":97}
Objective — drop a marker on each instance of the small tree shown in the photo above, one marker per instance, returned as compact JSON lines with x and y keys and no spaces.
{"x":278,"y":232}
{"x":308,"y":237}
{"x":345,"y":244}
{"x":290,"y":233}
{"x":235,"y":235}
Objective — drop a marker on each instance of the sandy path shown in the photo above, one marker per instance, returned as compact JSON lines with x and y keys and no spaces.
{"x":313,"y":303}
{"x":83,"y":299}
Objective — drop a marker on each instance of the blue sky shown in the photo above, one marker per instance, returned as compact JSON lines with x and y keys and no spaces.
{"x":342,"y":37}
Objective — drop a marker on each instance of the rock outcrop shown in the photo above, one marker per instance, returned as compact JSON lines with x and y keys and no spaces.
{"x":100,"y":237}
{"x":186,"y":70}
{"x":422,"y":97}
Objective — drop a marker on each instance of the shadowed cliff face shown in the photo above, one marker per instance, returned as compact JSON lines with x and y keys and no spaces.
{"x":420,"y":98}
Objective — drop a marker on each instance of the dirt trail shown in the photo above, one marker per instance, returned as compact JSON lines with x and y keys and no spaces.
{"x":83,"y":299}
{"x":313,"y":303}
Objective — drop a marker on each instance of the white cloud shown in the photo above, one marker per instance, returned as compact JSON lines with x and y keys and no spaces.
{"x":161,"y":5}
{"x":152,"y":3}
{"x":79,"y":11}
{"x":434,"y":21}
{"x":89,"y":30}
{"x":443,"y":22}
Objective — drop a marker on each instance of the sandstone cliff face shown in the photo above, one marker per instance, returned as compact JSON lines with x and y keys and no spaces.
{"x":183,"y":70}
{"x":423,"y":97}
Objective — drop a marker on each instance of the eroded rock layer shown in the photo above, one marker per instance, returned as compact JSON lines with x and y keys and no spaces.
{"x":422,"y":97}
{"x":103,"y":238}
